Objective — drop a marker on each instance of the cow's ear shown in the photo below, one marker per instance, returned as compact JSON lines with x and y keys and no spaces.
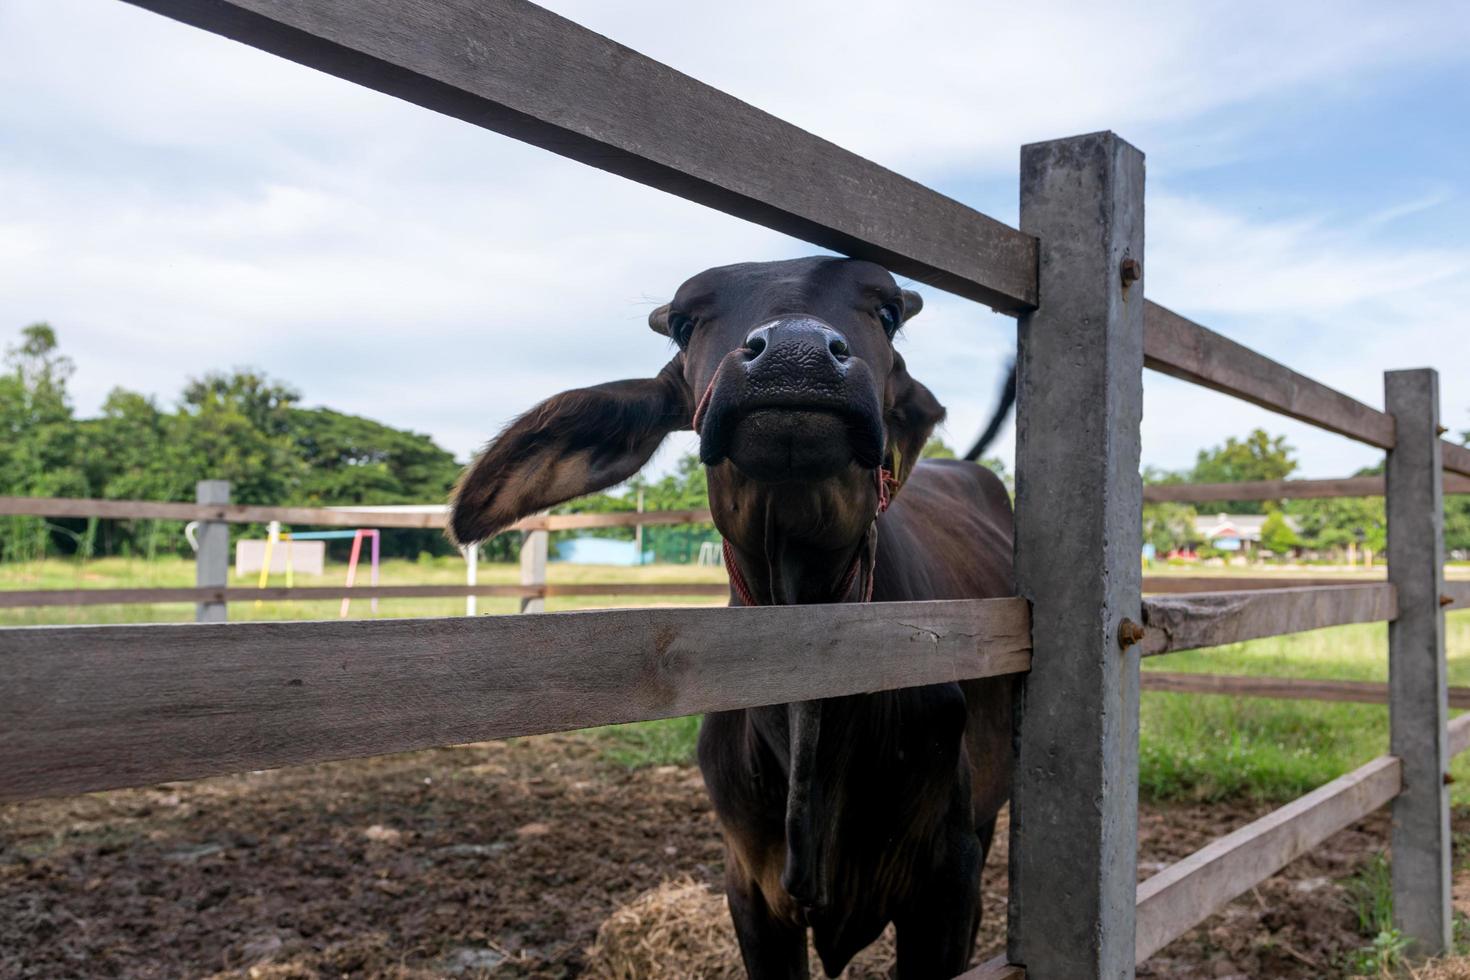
{"x":911,"y":417}
{"x":575,"y":443}
{"x":912,"y":304}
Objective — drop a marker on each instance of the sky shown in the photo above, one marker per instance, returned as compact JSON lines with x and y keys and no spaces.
{"x":175,"y":203}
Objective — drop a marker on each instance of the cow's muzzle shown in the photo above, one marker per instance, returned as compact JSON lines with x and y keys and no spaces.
{"x":791,"y":403}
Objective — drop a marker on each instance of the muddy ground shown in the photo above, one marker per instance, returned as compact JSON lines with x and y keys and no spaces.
{"x":498,"y":860}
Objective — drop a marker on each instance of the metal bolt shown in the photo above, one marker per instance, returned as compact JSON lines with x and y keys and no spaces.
{"x":1448,"y":779}
{"x":1441,"y":429}
{"x":1130,"y":271}
{"x":1129,"y":633}
{"x":1445,"y":600}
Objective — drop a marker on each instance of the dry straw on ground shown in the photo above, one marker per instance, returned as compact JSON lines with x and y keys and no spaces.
{"x":681,"y":931}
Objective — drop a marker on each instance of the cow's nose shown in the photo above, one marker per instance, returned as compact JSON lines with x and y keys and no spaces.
{"x":796,"y":340}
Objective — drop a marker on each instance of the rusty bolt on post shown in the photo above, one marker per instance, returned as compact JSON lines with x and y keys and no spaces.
{"x":1129,"y":633}
{"x":1448,"y":779}
{"x":1130,"y":271}
{"x":1445,"y":600}
{"x":1441,"y":429}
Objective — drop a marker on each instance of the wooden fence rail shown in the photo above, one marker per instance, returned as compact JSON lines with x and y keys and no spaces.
{"x":82,"y":507}
{"x":99,"y":707}
{"x":17,"y":598}
{"x":1186,"y":893}
{"x":1353,"y":486}
{"x":1286,"y":688}
{"x":545,"y":80}
{"x":1209,"y":619}
{"x":1184,"y":349}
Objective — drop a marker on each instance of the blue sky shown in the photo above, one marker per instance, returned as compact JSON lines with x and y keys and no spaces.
{"x":175,"y":203}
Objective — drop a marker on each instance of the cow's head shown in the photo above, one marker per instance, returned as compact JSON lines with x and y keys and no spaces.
{"x":786,"y":370}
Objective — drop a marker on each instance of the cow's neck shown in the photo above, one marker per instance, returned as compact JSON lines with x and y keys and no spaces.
{"x":793,"y":576}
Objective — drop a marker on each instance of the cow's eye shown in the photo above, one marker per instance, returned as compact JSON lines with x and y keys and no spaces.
{"x":680,"y":328}
{"x":888,"y":314}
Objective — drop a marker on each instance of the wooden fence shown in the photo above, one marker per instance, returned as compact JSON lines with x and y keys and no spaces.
{"x":213,"y":512}
{"x":97,"y":707}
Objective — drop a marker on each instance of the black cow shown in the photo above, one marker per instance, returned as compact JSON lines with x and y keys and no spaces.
{"x":845,"y":814}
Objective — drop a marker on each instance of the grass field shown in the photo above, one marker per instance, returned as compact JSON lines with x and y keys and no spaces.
{"x":1193,"y":747}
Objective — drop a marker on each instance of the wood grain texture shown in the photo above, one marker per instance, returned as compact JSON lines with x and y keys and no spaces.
{"x":1210,"y":619}
{"x":1417,"y":670}
{"x":1079,"y":401}
{"x":1183,"y":349}
{"x":35,"y":598}
{"x":319,"y":516}
{"x":1286,"y":688}
{"x":212,"y":555}
{"x":99,"y":707}
{"x":1240,"y":583}
{"x":519,"y":70}
{"x":1456,"y":458}
{"x":1353,"y":486}
{"x":1185,"y":894}
{"x":994,"y":969}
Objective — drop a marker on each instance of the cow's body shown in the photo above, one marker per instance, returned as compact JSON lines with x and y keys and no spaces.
{"x":846,"y":814}
{"x":913,"y":779}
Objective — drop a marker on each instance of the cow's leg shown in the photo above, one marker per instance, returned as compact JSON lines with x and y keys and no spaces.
{"x":936,"y":931}
{"x":772,"y":948}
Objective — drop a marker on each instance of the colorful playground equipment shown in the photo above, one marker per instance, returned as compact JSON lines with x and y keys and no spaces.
{"x":275,"y":534}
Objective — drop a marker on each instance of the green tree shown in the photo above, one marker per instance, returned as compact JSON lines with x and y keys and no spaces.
{"x":38,"y":437}
{"x":1277,"y":535}
{"x":1258,"y":456}
{"x":937,"y":448}
{"x":1169,"y":526}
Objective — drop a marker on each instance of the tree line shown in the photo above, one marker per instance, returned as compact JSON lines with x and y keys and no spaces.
{"x":1325,"y":526}
{"x":252,"y":430}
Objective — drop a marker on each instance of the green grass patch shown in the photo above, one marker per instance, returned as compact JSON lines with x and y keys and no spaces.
{"x":1213,"y":747}
{"x":666,"y":742}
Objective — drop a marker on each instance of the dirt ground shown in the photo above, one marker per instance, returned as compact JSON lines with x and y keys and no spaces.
{"x":497,"y":860}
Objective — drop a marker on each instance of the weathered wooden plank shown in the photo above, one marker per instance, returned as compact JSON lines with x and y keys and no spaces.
{"x":525,"y":72}
{"x":640,"y":588}
{"x":994,"y":969}
{"x":1201,"y":493}
{"x":225,"y":513}
{"x":1078,"y":497}
{"x":1210,"y":619}
{"x":1185,"y":894}
{"x":36,"y":598}
{"x":1183,"y":349}
{"x":1353,"y":486}
{"x":320,"y":516}
{"x":1286,"y":688}
{"x":1458,"y":738}
{"x":1241,"y":583}
{"x":1456,"y":458}
{"x":13,"y":599}
{"x":99,"y":707}
{"x":1417,"y":671}
{"x":212,"y":555}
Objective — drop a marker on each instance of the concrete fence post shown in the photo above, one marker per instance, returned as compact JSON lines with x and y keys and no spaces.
{"x":212,"y":562}
{"x":1418,"y":703}
{"x":1079,"y":499}
{"x":534,"y":546}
